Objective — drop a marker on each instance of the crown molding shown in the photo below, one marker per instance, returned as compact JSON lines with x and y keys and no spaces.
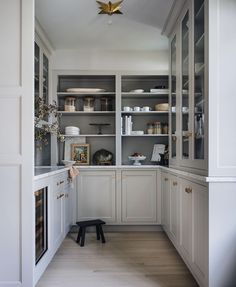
{"x":173,"y":17}
{"x":43,"y":37}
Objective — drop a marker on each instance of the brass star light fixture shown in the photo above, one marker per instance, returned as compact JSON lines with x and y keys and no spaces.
{"x":110,"y":8}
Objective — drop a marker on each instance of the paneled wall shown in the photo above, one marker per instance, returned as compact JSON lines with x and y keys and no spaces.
{"x":16,"y":144}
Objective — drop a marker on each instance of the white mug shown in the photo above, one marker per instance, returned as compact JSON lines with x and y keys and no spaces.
{"x":137,"y":109}
{"x":127,"y":109}
{"x":146,"y":109}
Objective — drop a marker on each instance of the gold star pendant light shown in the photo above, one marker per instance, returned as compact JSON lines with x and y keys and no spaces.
{"x":110,"y":8}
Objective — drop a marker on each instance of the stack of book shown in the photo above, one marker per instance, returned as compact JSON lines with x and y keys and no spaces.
{"x":126,"y":125}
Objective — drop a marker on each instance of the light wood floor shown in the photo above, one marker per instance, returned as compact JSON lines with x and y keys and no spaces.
{"x":145,"y":259}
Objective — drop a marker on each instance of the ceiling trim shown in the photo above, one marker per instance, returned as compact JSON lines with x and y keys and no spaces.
{"x":43,"y":37}
{"x":173,"y":17}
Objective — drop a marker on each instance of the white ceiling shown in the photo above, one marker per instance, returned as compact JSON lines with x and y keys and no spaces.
{"x":75,"y":24}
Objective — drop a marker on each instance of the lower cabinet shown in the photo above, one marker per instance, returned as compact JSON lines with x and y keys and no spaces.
{"x":139,"y":196}
{"x":165,"y":195}
{"x":185,"y":220}
{"x":174,"y":208}
{"x":186,"y":236}
{"x":96,"y":193}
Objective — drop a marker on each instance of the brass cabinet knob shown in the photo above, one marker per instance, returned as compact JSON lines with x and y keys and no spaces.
{"x":188,"y":190}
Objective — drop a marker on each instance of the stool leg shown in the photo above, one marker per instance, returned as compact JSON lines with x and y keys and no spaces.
{"x":79,"y":235}
{"x":98,"y":232}
{"x":83,"y":236}
{"x":102,"y":234}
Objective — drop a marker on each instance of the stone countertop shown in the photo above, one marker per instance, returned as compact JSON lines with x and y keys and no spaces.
{"x":45,"y":171}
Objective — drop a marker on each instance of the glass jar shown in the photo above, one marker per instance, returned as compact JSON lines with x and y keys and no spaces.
{"x":165,"y":128}
{"x":69,"y":104}
{"x":150,"y":130}
{"x":106,"y":104}
{"x":157,"y":128}
{"x":88,"y":104}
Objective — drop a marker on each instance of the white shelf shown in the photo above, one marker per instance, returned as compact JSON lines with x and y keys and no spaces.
{"x":89,"y":135}
{"x":147,"y":135}
{"x":144,"y":94}
{"x":145,"y":113}
{"x":80,"y":94}
{"x":76,"y":113}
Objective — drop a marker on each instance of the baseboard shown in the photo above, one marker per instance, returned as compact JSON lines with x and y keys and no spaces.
{"x":123,"y":228}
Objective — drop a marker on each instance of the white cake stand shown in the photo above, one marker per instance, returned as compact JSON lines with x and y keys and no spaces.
{"x":137,"y":159}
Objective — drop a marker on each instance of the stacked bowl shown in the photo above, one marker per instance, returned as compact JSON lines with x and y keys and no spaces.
{"x":72,"y":131}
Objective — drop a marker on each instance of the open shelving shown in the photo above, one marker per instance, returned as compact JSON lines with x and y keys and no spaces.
{"x":112,"y":139}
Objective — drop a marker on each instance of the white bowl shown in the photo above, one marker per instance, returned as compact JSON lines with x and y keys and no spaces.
{"x":68,"y":162}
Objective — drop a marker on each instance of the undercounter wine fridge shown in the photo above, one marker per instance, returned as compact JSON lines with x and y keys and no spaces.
{"x":41,"y":223}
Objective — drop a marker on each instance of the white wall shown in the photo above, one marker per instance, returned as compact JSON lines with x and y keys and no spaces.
{"x":110,"y":60}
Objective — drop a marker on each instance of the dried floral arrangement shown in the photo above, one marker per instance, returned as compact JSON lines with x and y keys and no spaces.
{"x":42,"y":127}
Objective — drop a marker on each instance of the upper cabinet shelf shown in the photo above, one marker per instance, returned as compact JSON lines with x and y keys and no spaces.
{"x":83,"y":94}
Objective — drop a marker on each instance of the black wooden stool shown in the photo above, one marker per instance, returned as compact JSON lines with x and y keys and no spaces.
{"x":82,"y":230}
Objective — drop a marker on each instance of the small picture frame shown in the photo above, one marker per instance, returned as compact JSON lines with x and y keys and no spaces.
{"x":80,"y":153}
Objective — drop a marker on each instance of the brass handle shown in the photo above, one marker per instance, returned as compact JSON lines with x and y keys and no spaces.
{"x":166,"y":179}
{"x":61,"y":182}
{"x":175,"y":183}
{"x":174,"y":138}
{"x":188,"y":189}
{"x":60,"y":196}
{"x":188,"y":135}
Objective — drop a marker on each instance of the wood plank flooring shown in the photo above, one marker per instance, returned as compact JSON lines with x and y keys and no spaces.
{"x":137,"y":259}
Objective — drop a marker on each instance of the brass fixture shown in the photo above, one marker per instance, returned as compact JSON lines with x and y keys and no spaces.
{"x":110,"y":8}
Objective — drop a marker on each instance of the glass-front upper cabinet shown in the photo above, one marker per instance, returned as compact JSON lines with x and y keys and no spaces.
{"x":173,"y":90}
{"x":185,"y":83}
{"x":36,"y":73}
{"x":45,"y":78}
{"x":199,"y":79}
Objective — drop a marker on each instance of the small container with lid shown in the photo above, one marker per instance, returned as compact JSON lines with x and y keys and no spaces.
{"x":69,"y":104}
{"x":150,"y":129}
{"x":106,"y":104}
{"x":157,"y":128}
{"x":88,"y":104}
{"x":165,"y":128}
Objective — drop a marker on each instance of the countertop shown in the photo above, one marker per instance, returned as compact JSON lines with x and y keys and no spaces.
{"x":45,"y":171}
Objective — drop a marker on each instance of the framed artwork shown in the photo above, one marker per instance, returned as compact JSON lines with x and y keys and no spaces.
{"x":80,"y":153}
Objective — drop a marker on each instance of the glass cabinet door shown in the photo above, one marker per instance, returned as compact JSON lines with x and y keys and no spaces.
{"x":199,"y":83}
{"x":36,"y":73}
{"x":45,"y":79}
{"x":173,"y":98}
{"x":185,"y":126}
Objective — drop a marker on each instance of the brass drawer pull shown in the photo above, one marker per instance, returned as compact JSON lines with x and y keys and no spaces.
{"x":61,"y":182}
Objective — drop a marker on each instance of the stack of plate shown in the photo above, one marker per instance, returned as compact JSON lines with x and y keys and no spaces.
{"x":72,"y":131}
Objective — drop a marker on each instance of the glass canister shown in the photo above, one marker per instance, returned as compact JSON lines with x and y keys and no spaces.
{"x":165,"y":128}
{"x":106,"y":104}
{"x":69,"y":104}
{"x":150,"y":129}
{"x":88,"y":104}
{"x":157,"y":128}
